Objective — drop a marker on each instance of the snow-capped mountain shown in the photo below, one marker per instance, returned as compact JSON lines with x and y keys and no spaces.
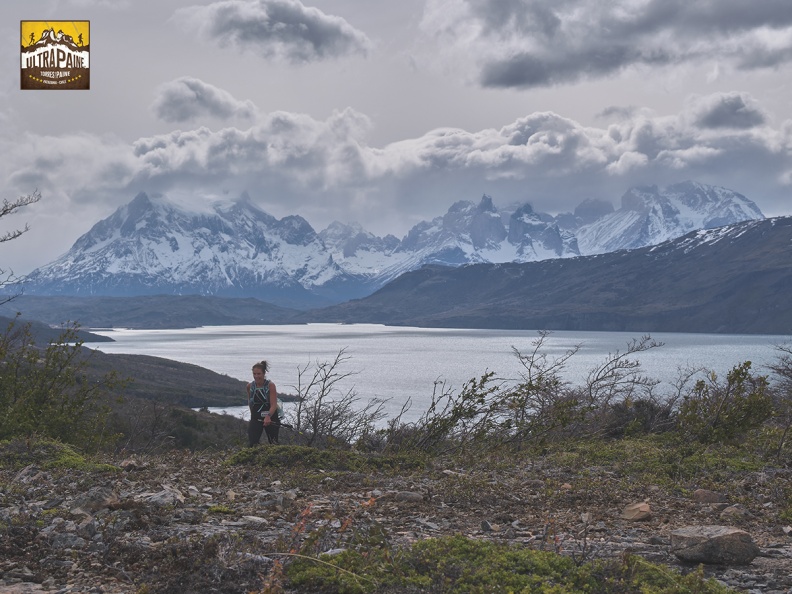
{"x":153,"y":246}
{"x":649,"y":216}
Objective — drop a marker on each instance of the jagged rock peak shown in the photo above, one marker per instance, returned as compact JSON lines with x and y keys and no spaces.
{"x":486,"y":205}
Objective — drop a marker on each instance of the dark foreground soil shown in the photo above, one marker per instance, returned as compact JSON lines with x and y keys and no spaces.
{"x":195,"y":523}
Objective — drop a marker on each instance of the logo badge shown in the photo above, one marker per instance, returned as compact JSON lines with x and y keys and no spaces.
{"x":55,"y":55}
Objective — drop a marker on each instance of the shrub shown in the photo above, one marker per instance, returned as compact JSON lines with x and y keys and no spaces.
{"x":724,"y":412}
{"x":326,"y":414}
{"x":45,"y":390}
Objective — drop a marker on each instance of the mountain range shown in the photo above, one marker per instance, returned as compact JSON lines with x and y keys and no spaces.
{"x":151,"y":246}
{"x":733,"y":279}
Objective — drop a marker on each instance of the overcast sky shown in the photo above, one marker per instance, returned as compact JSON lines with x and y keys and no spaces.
{"x":386,"y":112}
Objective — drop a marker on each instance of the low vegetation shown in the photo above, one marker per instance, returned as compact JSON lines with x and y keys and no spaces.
{"x":701,"y":425}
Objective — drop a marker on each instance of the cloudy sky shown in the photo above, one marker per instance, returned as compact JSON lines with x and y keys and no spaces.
{"x":386,"y":112}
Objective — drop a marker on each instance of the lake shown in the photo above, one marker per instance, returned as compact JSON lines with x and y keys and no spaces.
{"x":395,"y":363}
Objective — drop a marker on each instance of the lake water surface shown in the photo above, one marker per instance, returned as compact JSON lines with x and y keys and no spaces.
{"x":396,"y":362}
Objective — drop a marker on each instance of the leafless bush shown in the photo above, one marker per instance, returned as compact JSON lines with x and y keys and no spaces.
{"x":327,"y":414}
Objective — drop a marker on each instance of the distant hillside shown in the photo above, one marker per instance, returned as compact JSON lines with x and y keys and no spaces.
{"x":42,"y":333}
{"x":734,"y":279}
{"x":168,"y":382}
{"x":156,"y":311}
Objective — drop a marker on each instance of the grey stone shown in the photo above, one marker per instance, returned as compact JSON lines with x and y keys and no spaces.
{"x":715,"y":545}
{"x":637,"y":512}
{"x":409,"y":496}
{"x":707,"y":496}
{"x":168,"y":496}
{"x":67,"y":541}
{"x":95,"y":499}
{"x":735,"y":512}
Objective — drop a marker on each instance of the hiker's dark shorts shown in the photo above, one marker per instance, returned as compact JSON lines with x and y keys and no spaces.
{"x":256,"y":427}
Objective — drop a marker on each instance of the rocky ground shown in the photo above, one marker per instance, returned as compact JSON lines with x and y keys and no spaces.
{"x":193,"y":523}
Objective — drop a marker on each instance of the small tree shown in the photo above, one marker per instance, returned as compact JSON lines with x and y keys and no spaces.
{"x":453,"y":420}
{"x":541,"y":402}
{"x":45,"y":390}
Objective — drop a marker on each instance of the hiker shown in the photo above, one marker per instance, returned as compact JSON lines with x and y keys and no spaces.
{"x":263,"y":404}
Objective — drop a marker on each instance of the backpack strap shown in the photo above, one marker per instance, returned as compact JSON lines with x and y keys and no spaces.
{"x":265,"y":394}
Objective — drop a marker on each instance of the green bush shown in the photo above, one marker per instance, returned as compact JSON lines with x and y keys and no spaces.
{"x":725,"y":412}
{"x":44,"y":390}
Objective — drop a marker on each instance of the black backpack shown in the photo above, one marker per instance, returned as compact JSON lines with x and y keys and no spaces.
{"x":259,"y":399}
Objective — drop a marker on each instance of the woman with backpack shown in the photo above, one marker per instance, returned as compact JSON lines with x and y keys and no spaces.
{"x":263,"y":404}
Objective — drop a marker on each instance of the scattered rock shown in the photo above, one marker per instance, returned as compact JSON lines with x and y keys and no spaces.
{"x":717,"y":545}
{"x":96,"y":498}
{"x":168,"y":496}
{"x":408,"y":496}
{"x":637,"y":512}
{"x":255,"y":520}
{"x":707,"y":496}
{"x":735,"y":513}
{"x":129,"y":464}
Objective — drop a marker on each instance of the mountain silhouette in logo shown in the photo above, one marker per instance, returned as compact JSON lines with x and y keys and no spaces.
{"x":49,"y":37}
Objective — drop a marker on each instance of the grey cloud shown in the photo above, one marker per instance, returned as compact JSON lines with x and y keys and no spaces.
{"x":328,"y":164}
{"x":528,"y":70}
{"x":292,"y":148}
{"x":727,"y":110}
{"x":274,"y":29}
{"x":526,"y":18}
{"x":188,"y":98}
{"x":532,"y":43}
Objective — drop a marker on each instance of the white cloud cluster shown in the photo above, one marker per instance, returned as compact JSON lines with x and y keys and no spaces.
{"x":534,"y":43}
{"x":327,"y":166}
{"x":284,"y":149}
{"x":188,"y":98}
{"x":281,"y":30}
